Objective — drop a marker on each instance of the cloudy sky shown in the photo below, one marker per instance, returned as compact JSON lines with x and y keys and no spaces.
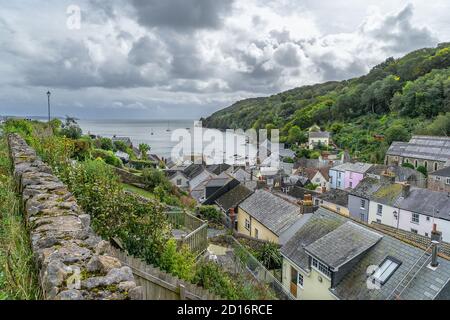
{"x":187,"y":58}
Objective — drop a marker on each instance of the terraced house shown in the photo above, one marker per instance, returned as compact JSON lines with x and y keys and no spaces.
{"x":401,"y":206}
{"x":348,"y":175}
{"x":431,"y":152}
{"x":332,"y":257}
{"x":268,"y":217}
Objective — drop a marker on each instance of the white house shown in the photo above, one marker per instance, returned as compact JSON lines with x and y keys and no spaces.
{"x":317,"y":138}
{"x":180,"y":180}
{"x":411,"y":209}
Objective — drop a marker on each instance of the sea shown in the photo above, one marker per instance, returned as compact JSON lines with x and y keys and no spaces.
{"x":158,"y":134}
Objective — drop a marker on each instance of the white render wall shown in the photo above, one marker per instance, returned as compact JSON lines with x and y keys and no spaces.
{"x":423,"y":228}
{"x":425,"y":225}
{"x":386,"y":218}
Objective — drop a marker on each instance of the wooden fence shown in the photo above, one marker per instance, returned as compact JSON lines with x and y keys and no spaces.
{"x":159,"y":285}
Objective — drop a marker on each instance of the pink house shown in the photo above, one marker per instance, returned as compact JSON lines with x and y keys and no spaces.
{"x":348,"y":175}
{"x":354,"y":174}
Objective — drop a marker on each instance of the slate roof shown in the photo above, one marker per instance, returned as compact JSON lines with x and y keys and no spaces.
{"x":273,"y":212}
{"x":193,"y":170}
{"x":401,"y":173}
{"x":357,"y":167}
{"x":319,"y":134}
{"x":388,"y":193}
{"x":423,"y":147}
{"x":366,"y":188}
{"x":353,"y":286}
{"x":442,"y":173}
{"x":427,"y":202}
{"x":299,"y":192}
{"x":336,"y":196}
{"x":218,"y":168}
{"x":343,"y":244}
{"x":217,"y":182}
{"x":241,"y":175}
{"x":234,"y":197}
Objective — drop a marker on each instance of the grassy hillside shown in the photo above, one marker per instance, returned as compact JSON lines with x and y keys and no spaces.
{"x":396,"y":98}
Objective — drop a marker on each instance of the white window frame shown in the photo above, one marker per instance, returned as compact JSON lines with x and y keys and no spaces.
{"x":415,"y":231}
{"x":415,"y":218}
{"x":380,"y":210}
{"x":300,"y":280}
{"x":385,"y":270}
{"x":321,"y":267}
{"x":447,"y":181}
{"x":363,"y":204}
{"x":247,"y":224}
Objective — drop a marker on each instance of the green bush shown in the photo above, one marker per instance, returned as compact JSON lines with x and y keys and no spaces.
{"x":142,"y":164}
{"x":71,"y":129}
{"x":422,"y":170}
{"x":210,"y":213}
{"x":180,"y":263}
{"x":107,"y":156}
{"x":408,"y":165}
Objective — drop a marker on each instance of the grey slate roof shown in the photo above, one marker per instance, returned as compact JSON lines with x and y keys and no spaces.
{"x":442,"y":173}
{"x":401,"y":173}
{"x":336,"y":196}
{"x":343,"y":244}
{"x":234,"y":197}
{"x":319,"y":134}
{"x":427,"y":284}
{"x":273,"y":212}
{"x":427,"y":202}
{"x":423,"y":147}
{"x":357,"y":167}
{"x":366,"y":188}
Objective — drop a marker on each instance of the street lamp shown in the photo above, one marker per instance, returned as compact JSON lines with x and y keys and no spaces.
{"x":48,"y":95}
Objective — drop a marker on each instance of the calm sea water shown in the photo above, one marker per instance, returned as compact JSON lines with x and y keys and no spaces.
{"x":156,"y":133}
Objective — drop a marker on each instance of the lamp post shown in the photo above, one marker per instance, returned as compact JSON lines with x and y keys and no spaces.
{"x":48,"y":96}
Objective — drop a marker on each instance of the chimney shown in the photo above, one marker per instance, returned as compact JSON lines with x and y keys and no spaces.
{"x":232,"y":217}
{"x":436,"y":238}
{"x":406,"y":188}
{"x":388,"y":176}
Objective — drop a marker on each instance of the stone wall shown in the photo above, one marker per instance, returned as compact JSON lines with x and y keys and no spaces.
{"x":73,"y":262}
{"x":128,"y":177}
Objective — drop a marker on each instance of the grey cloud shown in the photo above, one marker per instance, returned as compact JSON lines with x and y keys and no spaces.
{"x":287,"y":55}
{"x":182,"y":15}
{"x":399,"y":34}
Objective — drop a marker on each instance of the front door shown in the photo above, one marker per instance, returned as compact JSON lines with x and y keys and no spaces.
{"x":294,"y":279}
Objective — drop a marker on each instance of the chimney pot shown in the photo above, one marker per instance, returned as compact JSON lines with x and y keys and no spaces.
{"x":436,"y":238}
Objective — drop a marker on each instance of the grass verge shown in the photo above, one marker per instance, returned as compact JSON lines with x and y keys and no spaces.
{"x":18,"y":274}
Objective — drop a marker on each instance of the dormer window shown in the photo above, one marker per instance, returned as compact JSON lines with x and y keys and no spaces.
{"x":386,"y":270}
{"x":321,"y":267}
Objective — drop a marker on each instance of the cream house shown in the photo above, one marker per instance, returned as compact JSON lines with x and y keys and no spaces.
{"x":332,"y":257}
{"x":268,"y":217}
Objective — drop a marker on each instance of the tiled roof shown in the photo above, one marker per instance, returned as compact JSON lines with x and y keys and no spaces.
{"x":343,"y":244}
{"x":233,"y":198}
{"x":423,"y":147}
{"x":353,"y":286}
{"x":273,"y":212}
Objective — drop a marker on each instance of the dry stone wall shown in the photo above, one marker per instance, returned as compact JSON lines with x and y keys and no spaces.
{"x":73,"y":262}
